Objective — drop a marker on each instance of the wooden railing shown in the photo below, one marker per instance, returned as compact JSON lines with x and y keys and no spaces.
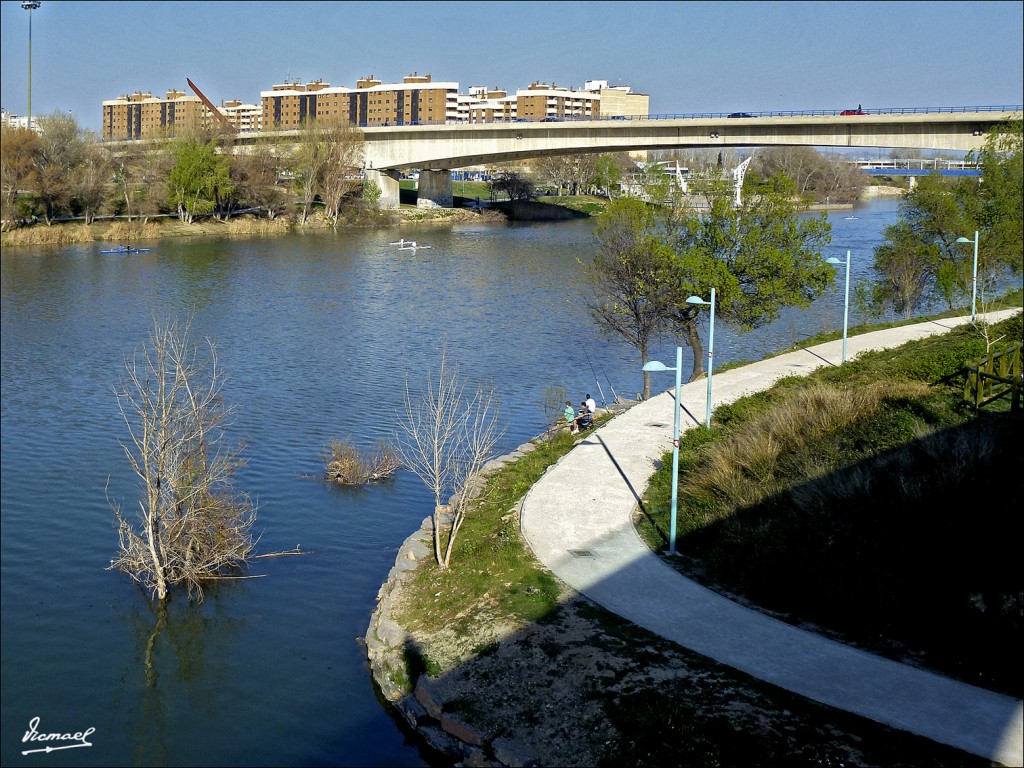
{"x":993,"y":376}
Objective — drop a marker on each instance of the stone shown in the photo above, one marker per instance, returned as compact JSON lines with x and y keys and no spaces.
{"x":390,"y":633}
{"x":426,"y":695}
{"x":454,"y":725}
{"x":511,"y":754}
{"x":411,"y":710}
{"x":441,"y":741}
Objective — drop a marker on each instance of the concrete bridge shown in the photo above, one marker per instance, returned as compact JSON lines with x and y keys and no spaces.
{"x":436,"y":149}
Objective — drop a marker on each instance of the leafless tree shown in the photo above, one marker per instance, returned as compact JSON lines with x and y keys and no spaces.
{"x":329,"y":156}
{"x":18,"y":148}
{"x":61,"y":151}
{"x":514,"y":184}
{"x":446,"y":436}
{"x":256,"y":173}
{"x":140,"y":176}
{"x":191,"y":526}
{"x":92,"y":182}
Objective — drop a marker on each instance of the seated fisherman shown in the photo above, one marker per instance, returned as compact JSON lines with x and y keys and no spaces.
{"x":584,"y":418}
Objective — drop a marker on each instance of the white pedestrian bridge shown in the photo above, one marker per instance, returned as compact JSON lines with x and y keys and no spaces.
{"x":436,"y":149}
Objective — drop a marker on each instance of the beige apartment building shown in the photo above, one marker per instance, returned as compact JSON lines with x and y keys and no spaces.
{"x":540,"y":101}
{"x":140,"y":115}
{"x":619,"y":100}
{"x":245,"y":118}
{"x":417,"y":100}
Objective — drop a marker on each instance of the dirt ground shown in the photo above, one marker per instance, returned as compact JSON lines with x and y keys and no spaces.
{"x":585,"y":688}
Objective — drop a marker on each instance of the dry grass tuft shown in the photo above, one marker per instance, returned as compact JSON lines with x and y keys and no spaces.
{"x":763,"y":456}
{"x":347,"y":466}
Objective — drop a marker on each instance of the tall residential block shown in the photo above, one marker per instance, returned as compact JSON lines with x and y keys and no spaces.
{"x":140,"y":115}
{"x":417,"y":100}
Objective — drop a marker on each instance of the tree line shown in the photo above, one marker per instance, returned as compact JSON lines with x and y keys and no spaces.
{"x":923,"y":257}
{"x":61,"y":172}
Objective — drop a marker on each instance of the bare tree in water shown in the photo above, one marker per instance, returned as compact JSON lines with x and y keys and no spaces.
{"x":191,"y":527}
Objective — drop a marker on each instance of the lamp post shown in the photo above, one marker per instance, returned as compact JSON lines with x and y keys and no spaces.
{"x":655,"y":365}
{"x":30,"y":5}
{"x":974,"y":274}
{"x":711,"y":345}
{"x":846,"y":298}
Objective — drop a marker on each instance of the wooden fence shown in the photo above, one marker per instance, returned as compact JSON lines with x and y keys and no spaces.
{"x":993,"y":376}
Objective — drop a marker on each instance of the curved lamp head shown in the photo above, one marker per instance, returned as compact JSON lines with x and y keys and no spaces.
{"x":656,"y":365}
{"x":964,"y":240}
{"x":696,"y":300}
{"x":834,"y":260}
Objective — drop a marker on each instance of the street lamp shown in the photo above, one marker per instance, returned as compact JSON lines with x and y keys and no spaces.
{"x":846,"y":299}
{"x":711,"y":345}
{"x":655,"y":365}
{"x":974,"y":278}
{"x":30,"y":5}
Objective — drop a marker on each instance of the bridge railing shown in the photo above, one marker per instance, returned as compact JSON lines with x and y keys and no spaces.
{"x":746,"y":115}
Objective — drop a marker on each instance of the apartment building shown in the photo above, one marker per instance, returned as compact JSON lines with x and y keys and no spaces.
{"x":417,"y":100}
{"x":483,"y":105}
{"x":540,"y":101}
{"x":12,"y":120}
{"x":619,"y":100}
{"x":246,"y":118}
{"x":140,"y":115}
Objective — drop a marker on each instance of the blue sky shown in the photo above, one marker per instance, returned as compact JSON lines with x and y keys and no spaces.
{"x":689,"y":56}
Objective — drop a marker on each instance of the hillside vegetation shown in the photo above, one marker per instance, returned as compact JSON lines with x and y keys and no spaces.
{"x":869,"y":502}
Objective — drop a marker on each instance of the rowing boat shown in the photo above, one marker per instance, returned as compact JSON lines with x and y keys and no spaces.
{"x":128,"y":250}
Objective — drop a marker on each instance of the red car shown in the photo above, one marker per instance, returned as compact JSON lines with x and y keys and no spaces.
{"x":857,"y":111}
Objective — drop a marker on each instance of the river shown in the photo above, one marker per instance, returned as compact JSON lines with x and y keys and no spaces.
{"x":318,"y":336}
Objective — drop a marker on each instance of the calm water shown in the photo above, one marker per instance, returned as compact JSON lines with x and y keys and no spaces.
{"x":318,"y":336}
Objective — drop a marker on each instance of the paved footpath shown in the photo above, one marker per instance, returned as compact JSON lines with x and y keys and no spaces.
{"x":577,"y":519}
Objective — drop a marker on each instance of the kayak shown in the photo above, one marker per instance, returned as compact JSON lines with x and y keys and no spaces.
{"x":127,"y":250}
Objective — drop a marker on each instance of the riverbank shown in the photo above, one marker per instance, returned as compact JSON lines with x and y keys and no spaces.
{"x":120,"y":232}
{"x":581,"y":686}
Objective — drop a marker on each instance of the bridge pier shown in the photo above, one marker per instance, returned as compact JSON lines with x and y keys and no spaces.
{"x":388,"y":183}
{"x":435,"y":189}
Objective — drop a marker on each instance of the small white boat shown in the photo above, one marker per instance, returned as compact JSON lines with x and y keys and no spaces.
{"x":412,"y":245}
{"x":400,"y":243}
{"x":852,"y":218}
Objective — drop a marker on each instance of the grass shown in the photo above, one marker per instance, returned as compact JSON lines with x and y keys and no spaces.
{"x":868,"y":500}
{"x":493,"y":576}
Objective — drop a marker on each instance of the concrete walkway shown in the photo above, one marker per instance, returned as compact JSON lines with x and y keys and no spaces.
{"x":577,"y":520}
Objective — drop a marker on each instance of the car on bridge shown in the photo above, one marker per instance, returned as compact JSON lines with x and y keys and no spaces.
{"x":739,"y":114}
{"x":857,"y":111}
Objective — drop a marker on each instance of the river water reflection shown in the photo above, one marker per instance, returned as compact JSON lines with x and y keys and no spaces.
{"x":318,"y":335}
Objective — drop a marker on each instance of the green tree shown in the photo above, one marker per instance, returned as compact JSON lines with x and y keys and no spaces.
{"x":629,"y":276}
{"x":760,"y":257}
{"x":607,"y":173}
{"x":199,"y":177}
{"x":1000,"y":196}
{"x":923,"y":247}
{"x":909,"y":267}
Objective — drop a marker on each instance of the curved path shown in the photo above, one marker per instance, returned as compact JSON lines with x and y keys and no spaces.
{"x":582,"y":532}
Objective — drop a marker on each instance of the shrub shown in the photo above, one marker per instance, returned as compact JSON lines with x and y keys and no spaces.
{"x":347,"y":466}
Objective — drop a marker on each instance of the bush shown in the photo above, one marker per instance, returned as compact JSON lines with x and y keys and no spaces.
{"x":347,"y":466}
